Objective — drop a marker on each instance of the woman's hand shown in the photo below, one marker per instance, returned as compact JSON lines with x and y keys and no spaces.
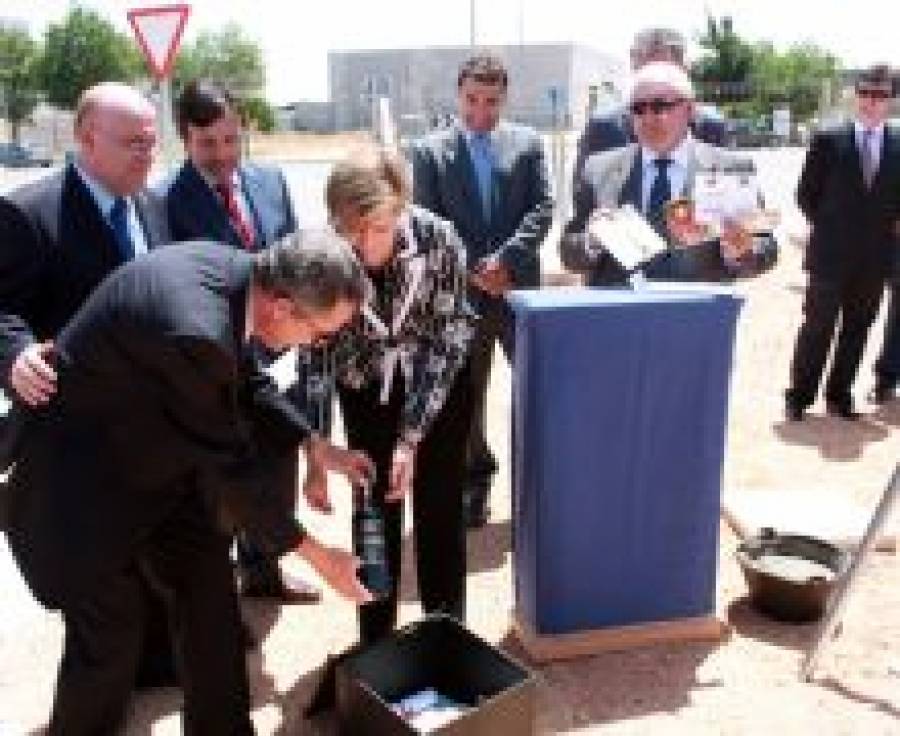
{"x":403,"y":471}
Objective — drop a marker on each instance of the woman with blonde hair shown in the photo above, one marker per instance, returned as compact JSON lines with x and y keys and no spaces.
{"x":400,"y":373}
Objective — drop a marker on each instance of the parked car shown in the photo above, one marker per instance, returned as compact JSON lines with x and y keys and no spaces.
{"x":17,"y":156}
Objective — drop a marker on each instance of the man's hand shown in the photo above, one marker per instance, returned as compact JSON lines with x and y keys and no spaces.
{"x":31,"y":376}
{"x":493,"y":277}
{"x":315,"y":488}
{"x":337,"y":567}
{"x":403,"y":471}
{"x":736,"y":241}
{"x":322,"y":456}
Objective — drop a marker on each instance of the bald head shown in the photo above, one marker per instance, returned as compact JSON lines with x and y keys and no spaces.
{"x":115,"y":128}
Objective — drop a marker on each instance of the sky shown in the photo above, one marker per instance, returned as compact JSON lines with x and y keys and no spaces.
{"x":296,"y":36}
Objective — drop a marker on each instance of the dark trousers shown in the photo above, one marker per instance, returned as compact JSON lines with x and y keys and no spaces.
{"x":887,"y":367}
{"x":186,"y":558}
{"x":438,"y":531}
{"x":853,"y":304}
{"x":494,"y":324}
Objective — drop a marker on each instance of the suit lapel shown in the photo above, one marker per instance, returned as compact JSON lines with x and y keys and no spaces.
{"x":210,"y":211}
{"x":888,"y":155}
{"x":251,"y":188}
{"x":93,"y":231}
{"x":632,"y":188}
{"x":852,"y":157}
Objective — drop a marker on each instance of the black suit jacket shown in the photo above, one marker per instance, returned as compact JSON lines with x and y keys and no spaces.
{"x":854,"y":229}
{"x":56,"y":247}
{"x":444,"y":182}
{"x":154,"y":401}
{"x":196,"y":212}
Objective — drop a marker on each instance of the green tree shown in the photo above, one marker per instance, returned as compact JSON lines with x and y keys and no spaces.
{"x":258,"y":114}
{"x":19,"y":85}
{"x":796,"y":78}
{"x":227,"y":56}
{"x":723,"y":71}
{"x":83,"y":50}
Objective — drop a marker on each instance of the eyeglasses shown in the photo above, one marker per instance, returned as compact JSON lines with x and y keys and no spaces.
{"x":873,"y":93}
{"x":656,"y":105}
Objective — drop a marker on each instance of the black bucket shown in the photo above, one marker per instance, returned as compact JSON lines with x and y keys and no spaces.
{"x":795,"y":595}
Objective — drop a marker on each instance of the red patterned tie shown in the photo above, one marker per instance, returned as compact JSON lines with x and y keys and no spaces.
{"x":238,"y":221}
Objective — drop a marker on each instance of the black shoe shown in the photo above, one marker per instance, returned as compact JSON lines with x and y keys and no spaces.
{"x":157,"y":670}
{"x":842,"y":409}
{"x":475,"y":507}
{"x":794,"y":411}
{"x":883,"y":392}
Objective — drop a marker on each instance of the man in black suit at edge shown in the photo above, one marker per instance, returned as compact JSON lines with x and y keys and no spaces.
{"x":150,"y":445}
{"x":848,"y":191}
{"x":216,"y":196}
{"x":61,"y":235}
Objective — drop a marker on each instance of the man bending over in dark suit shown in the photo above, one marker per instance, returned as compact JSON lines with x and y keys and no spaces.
{"x":664,"y":164}
{"x":489,"y":178}
{"x":150,"y":445}
{"x":215,"y":196}
{"x":848,"y":191}
{"x":60,"y":236}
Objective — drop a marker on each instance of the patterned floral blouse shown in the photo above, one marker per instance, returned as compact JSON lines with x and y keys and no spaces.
{"x":417,"y":326}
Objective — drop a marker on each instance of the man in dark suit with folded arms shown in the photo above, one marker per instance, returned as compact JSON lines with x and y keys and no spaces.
{"x":61,"y":235}
{"x":489,"y":178}
{"x":216,"y":196}
{"x":150,"y":443}
{"x":663,"y":165}
{"x":848,"y":191}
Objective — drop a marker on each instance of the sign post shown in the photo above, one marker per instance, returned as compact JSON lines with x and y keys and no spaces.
{"x":159,"y":30}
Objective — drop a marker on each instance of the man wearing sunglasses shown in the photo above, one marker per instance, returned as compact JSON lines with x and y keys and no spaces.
{"x":661,"y":166}
{"x":849,"y":193}
{"x":613,"y":129}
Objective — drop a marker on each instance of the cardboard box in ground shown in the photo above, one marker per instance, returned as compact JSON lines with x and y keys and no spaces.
{"x":821,"y":513}
{"x":437,"y":652}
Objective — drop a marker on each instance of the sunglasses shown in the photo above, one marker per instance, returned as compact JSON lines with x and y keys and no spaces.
{"x":875,"y":94}
{"x":656,"y":105}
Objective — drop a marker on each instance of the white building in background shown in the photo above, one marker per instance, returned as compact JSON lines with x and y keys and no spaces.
{"x":551,"y":86}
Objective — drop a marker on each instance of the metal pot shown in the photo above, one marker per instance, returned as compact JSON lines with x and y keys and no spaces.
{"x":783,"y":596}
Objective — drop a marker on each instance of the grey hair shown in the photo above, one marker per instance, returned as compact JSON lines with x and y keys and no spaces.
{"x":314,"y":269}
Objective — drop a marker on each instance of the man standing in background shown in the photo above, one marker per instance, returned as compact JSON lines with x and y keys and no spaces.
{"x":849,"y":193}
{"x":215,"y":196}
{"x":489,"y":178}
{"x":613,"y":128}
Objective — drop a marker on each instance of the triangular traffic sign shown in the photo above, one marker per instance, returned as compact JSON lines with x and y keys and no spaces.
{"x":158,"y":32}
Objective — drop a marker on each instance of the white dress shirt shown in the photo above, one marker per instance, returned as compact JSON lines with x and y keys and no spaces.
{"x":876,"y":142}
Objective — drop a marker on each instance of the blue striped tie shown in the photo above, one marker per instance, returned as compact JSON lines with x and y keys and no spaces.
{"x":660,"y":194}
{"x":484,"y":170}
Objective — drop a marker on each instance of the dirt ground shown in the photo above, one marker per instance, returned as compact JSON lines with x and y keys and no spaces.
{"x":747,"y":684}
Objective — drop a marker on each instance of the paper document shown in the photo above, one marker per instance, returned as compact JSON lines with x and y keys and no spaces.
{"x":626,"y":235}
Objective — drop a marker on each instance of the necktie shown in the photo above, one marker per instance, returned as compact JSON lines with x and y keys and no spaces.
{"x":238,"y":221}
{"x":484,"y":171}
{"x":118,"y":221}
{"x":869,"y":165}
{"x":660,"y":193}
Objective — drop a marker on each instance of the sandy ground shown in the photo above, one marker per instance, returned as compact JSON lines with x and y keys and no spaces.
{"x":747,"y":684}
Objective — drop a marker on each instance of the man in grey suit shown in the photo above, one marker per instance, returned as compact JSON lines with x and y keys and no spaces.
{"x":661,"y":166}
{"x":489,"y":178}
{"x":612,"y":128}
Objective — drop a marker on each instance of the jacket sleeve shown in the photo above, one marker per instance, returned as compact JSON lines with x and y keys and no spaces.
{"x":205,"y":392}
{"x":814,"y":175}
{"x":290,"y":218}
{"x":22,"y":260}
{"x":522,"y":250}
{"x":425,"y":185}
{"x":574,"y":250}
{"x":440,"y":359}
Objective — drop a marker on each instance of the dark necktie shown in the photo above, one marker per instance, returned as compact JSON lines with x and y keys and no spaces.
{"x":869,"y":164}
{"x":238,"y":221}
{"x":660,"y":194}
{"x":118,"y":221}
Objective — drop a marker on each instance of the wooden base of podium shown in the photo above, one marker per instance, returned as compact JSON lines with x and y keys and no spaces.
{"x":550,"y":647}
